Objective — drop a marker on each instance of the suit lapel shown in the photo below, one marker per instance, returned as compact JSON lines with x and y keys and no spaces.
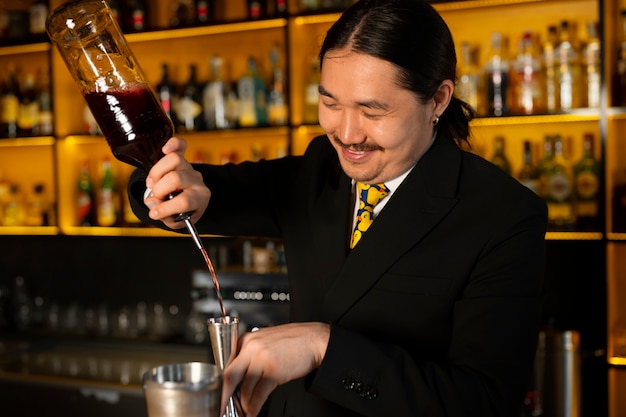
{"x":421,"y":201}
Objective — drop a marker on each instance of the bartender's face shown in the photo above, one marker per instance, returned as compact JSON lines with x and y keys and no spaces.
{"x":377,"y":128}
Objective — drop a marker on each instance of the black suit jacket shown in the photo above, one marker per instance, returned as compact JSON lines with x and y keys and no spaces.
{"x":436,"y":310}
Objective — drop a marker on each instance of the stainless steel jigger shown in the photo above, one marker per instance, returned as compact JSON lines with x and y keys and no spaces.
{"x":224,"y":332}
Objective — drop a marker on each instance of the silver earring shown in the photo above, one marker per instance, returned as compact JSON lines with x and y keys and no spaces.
{"x":436,"y":121}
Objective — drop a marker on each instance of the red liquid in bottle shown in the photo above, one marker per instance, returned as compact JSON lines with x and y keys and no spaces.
{"x":133,"y":122}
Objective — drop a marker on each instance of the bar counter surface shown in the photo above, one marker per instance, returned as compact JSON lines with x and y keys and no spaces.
{"x":74,"y":377}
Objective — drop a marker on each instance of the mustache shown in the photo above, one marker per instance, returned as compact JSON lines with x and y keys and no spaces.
{"x":359,"y":147}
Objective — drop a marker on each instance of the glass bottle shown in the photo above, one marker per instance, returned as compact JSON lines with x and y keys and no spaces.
{"x":108,"y":200}
{"x":44,"y":100}
{"x":569,"y":73}
{"x":467,"y":84}
{"x":251,"y":93}
{"x":277,"y":100}
{"x":545,"y":166}
{"x":204,"y":11}
{"x":560,"y":192}
{"x":189,"y":109}
{"x":136,"y":16}
{"x":529,"y":173}
{"x":28,"y":113}
{"x":214,"y":96}
{"x":166,"y":92}
{"x":9,"y":104}
{"x":85,"y":202}
{"x":550,"y":70}
{"x":526,"y":80}
{"x":497,"y":77}
{"x":14,"y":213}
{"x":587,"y":182}
{"x":37,"y":207}
{"x":592,"y":66}
{"x":38,"y":13}
{"x":499,"y":157}
{"x":311,"y":93}
{"x":256,"y":9}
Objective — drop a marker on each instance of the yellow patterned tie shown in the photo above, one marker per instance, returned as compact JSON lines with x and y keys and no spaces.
{"x":369,"y":196}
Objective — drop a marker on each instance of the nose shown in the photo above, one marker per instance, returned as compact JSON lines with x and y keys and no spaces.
{"x":350,"y":129}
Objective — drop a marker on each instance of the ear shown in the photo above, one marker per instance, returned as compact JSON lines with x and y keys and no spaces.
{"x":442,"y":97}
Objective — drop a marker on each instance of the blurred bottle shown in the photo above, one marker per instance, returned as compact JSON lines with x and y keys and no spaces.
{"x":277,"y":99}
{"x":38,"y":13}
{"x":204,"y":11}
{"x":311,"y":93}
{"x":214,"y":97}
{"x":497,"y":77}
{"x":526,"y":79}
{"x":279,"y":8}
{"x":545,"y":166}
{"x":499,"y":157}
{"x":38,"y":207}
{"x":166,"y":92}
{"x":467,"y":84}
{"x":309,"y":5}
{"x":569,"y":73}
{"x":85,"y":202}
{"x":560,"y":196}
{"x":529,"y":173}
{"x":232,"y":104}
{"x":620,"y":74}
{"x":117,"y":12}
{"x":5,"y":191}
{"x":587,"y":182}
{"x":9,"y":104}
{"x":550,"y":69}
{"x":28,"y":113}
{"x":135,"y":15}
{"x":183,"y":13}
{"x":619,"y":203}
{"x":592,"y":65}
{"x":189,"y":109}
{"x":44,"y":100}
{"x":252,"y":103}
{"x":256,"y":9}
{"x":14,"y":213}
{"x":108,"y":199}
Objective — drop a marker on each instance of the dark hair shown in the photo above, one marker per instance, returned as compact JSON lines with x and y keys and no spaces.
{"x":411,"y":35}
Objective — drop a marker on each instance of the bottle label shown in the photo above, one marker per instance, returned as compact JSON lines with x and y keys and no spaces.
{"x":559,"y":187}
{"x":10,"y":106}
{"x":587,"y":185}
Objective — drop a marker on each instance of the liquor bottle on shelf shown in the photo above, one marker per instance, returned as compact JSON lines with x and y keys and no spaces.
{"x":166,"y":92}
{"x":37,"y":213}
{"x":85,"y":201}
{"x":204,"y":11}
{"x":497,"y":77}
{"x":183,"y":13}
{"x":587,"y":187}
{"x":620,"y":73}
{"x":108,"y":199}
{"x":28,"y":113}
{"x":311,"y":93}
{"x":550,"y":70}
{"x":467,"y":84}
{"x":252,"y":102}
{"x":560,"y":192}
{"x":189,"y":109}
{"x":214,"y":97}
{"x":116,"y":10}
{"x":44,"y":100}
{"x":279,"y":7}
{"x":9,"y":104}
{"x":309,"y":5}
{"x":135,"y":15}
{"x":277,"y":100}
{"x":529,"y":174}
{"x":526,"y":80}
{"x":499,"y":157}
{"x":591,"y":55}
{"x":14,"y":213}
{"x":569,"y":69}
{"x":545,"y":166}
{"x":38,"y":13}
{"x":256,"y":9}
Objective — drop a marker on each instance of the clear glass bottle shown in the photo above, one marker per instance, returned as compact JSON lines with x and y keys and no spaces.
{"x":252,"y":101}
{"x":569,"y":70}
{"x":550,"y":70}
{"x":499,"y":157}
{"x":468,"y":78}
{"x":497,"y":77}
{"x":592,"y":66}
{"x":526,"y":79}
{"x":311,"y":93}
{"x":560,"y":192}
{"x":277,"y":100}
{"x":214,"y":96}
{"x":587,"y":182}
{"x":529,"y":174}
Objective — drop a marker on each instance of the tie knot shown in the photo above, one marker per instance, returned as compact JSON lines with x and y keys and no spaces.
{"x":371,"y":194}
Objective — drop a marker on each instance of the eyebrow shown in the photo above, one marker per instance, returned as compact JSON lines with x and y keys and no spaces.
{"x":370,"y":104}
